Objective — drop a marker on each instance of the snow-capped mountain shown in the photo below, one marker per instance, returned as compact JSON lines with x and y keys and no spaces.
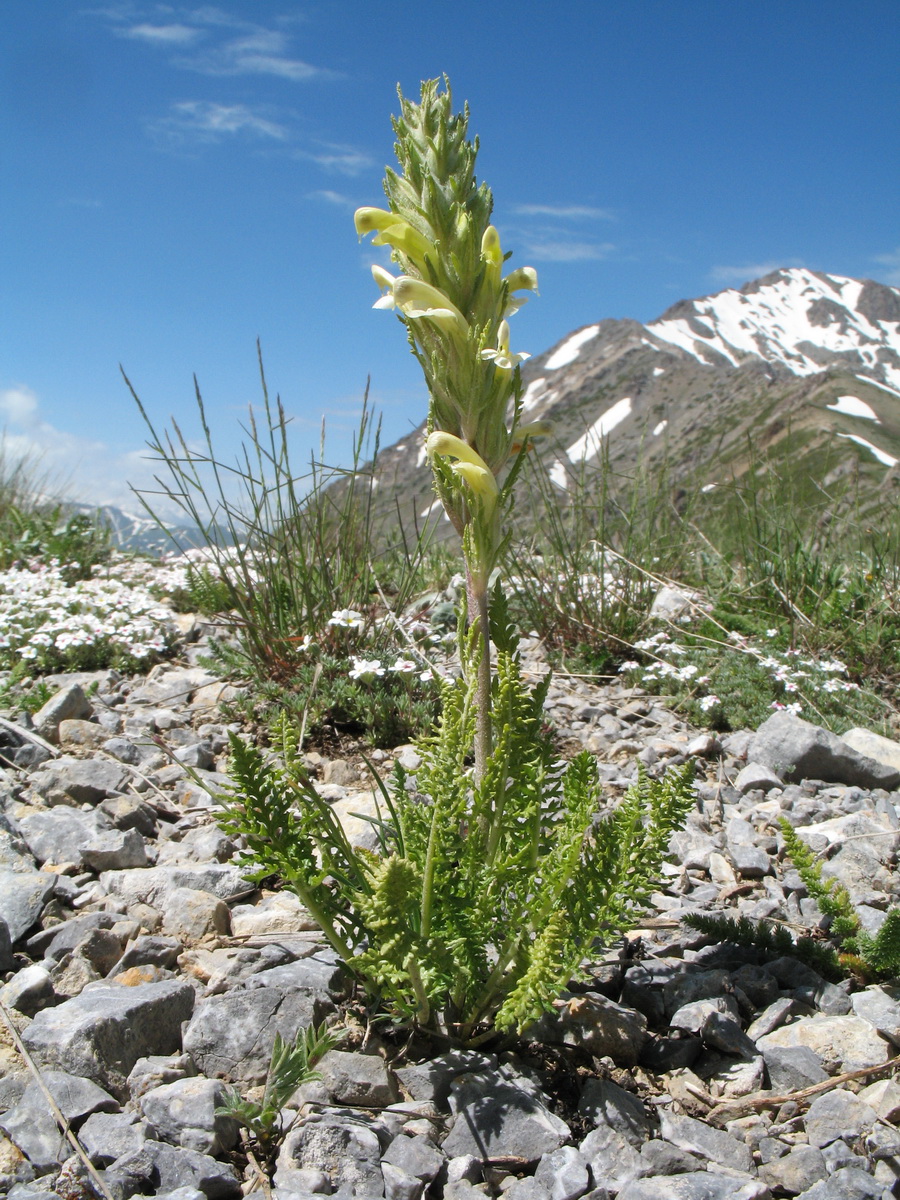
{"x":800,"y":369}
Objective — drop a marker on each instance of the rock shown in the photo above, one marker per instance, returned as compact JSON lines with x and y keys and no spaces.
{"x":497,"y":1118}
{"x":594,"y":1023}
{"x":32,"y":1126}
{"x":796,"y":1171}
{"x":104,"y":1137}
{"x":847,"y":1183}
{"x":103,"y":1032}
{"x":153,"y":885}
{"x":865,"y":855}
{"x":231,"y":1036}
{"x":69,"y":703}
{"x":791,"y":1068}
{"x":564,"y":1174}
{"x":700,"y":1185}
{"x":29,"y":990}
{"x":417,"y":1156}
{"x":115,"y":850}
{"x":838,"y":1114}
{"x":399,"y":1185}
{"x":431,"y":1080}
{"x":191,"y":915}
{"x":670,"y":603}
{"x":884,"y":1097}
{"x":23,"y":895}
{"x":756,"y":777}
{"x":59,"y":835}
{"x":84,"y":780}
{"x":612,"y":1157}
{"x":794,"y":748}
{"x":347,"y":1151}
{"x":278,"y":912}
{"x":697,"y":1137}
{"x":873,"y":745}
{"x":880,"y":1006}
{"x":87,"y":734}
{"x":605,"y":1103}
{"x":690,"y":1017}
{"x":850,"y":1042}
{"x":184,"y":1113}
{"x":662,"y":1158}
{"x":166,"y":1168}
{"x":358,"y":1079}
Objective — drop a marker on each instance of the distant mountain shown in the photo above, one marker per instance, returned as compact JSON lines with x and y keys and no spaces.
{"x":799,"y":366}
{"x":140,"y":534}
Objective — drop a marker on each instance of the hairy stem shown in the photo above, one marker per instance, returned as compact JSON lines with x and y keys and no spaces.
{"x":477,"y":594}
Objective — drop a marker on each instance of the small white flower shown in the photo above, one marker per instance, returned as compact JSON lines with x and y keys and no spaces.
{"x":770,"y":633}
{"x":628,"y":666}
{"x":346,"y":618}
{"x":366,"y":669}
{"x":708,"y":702}
{"x":404,"y":666}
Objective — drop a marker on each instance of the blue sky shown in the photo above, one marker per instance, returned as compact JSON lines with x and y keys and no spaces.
{"x":179,"y":180}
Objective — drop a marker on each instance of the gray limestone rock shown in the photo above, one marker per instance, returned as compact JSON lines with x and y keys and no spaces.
{"x":791,"y":1068}
{"x":873,"y":745}
{"x":347,"y":1151}
{"x":605,"y":1103}
{"x":565,"y":1174}
{"x":230,"y":1036}
{"x":85,"y":780}
{"x":613,"y":1159}
{"x":700,"y":1138}
{"x":838,"y":1114}
{"x":417,"y":1156}
{"x":115,"y":850}
{"x":594,"y":1023}
{"x":796,"y":749}
{"x":847,"y":1183}
{"x":32,"y":1126}
{"x":497,"y":1118}
{"x":23,"y":895}
{"x":361,"y":1079}
{"x":662,"y":1158}
{"x":104,"y":1137}
{"x":153,"y":885}
{"x":29,"y":990}
{"x":191,"y":914}
{"x":166,"y":1168}
{"x":431,"y":1080}
{"x":101,"y":1033}
{"x":184,"y":1113}
{"x":796,"y":1171}
{"x":756,"y":777}
{"x":850,"y":1042}
{"x":880,"y":1006}
{"x":60,"y":834}
{"x":697,"y":1185}
{"x":69,"y":703}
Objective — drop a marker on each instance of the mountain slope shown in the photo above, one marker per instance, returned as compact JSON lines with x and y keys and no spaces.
{"x":800,"y":367}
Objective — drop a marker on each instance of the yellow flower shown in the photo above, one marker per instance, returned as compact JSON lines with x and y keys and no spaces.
{"x":385,"y":281}
{"x":527,"y":433}
{"x":416,"y":299}
{"x":394,"y":231}
{"x":502,"y":357}
{"x":470,"y":466}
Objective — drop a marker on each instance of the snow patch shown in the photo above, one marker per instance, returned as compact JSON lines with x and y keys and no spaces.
{"x":532,"y":393}
{"x":659,"y":371}
{"x":852,"y":406}
{"x":782,"y":320}
{"x":559,"y":475}
{"x":421,"y":456}
{"x":659,"y":428}
{"x":708,"y":487}
{"x":571,"y":348}
{"x":427,"y":512}
{"x":874,"y":382}
{"x":591,"y":442}
{"x":881,"y":455}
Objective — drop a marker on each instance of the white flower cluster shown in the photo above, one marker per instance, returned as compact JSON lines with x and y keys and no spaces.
{"x":789,"y":668}
{"x":47,"y":622}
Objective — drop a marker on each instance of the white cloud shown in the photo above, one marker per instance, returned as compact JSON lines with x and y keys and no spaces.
{"x":206,"y":121}
{"x":563,"y":250}
{"x":336,"y":198}
{"x":346,"y":160}
{"x":566,"y":212}
{"x":161,"y":35}
{"x":18,"y":407}
{"x":64,"y":465}
{"x":751,"y":271}
{"x":892,"y":262}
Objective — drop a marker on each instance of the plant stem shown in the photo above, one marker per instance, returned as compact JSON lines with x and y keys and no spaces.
{"x":477,"y":595}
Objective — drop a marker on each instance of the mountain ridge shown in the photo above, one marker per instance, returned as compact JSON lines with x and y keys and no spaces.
{"x":802,"y":364}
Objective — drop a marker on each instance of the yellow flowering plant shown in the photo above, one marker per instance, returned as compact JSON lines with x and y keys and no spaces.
{"x":502,"y":869}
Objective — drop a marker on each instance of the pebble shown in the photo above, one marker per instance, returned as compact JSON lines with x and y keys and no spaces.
{"x":147,"y":975}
